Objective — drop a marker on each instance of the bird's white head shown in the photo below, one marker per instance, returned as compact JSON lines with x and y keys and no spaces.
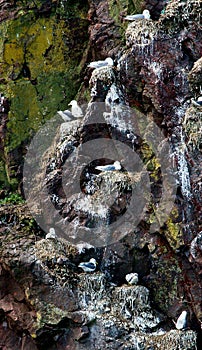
{"x":110,"y":61}
{"x":184,"y":313}
{"x":52,"y":230}
{"x":146,"y":14}
{"x":117,"y":165}
{"x":92,"y":260}
{"x":73,"y":103}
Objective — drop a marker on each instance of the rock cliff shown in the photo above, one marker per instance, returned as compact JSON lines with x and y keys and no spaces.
{"x":144,"y":218}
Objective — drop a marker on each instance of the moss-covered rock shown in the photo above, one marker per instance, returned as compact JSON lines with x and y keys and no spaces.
{"x":40,"y":68}
{"x":118,"y":7}
{"x":166,"y":281}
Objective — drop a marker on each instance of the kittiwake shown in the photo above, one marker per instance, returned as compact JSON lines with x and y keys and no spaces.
{"x":108,"y":62}
{"x":89,"y":266}
{"x":132,"y":278}
{"x":51,"y":234}
{"x":76,"y":110}
{"x":182,"y":320}
{"x":109,"y":167}
{"x":198,"y":102}
{"x":144,"y":15}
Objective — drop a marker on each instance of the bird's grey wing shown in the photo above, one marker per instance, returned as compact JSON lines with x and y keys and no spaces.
{"x":87,"y":264}
{"x":196,"y":103}
{"x":97,"y":64}
{"x":134,"y":17}
{"x":94,"y":64}
{"x":99,"y":168}
{"x":66,"y":115}
{"x":90,"y":265}
{"x":79,"y":112}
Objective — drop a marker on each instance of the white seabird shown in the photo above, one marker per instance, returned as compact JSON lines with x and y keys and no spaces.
{"x":108,"y":62}
{"x":144,"y":15}
{"x":51,"y":234}
{"x":109,"y":167}
{"x":89,"y":266}
{"x":198,"y":102}
{"x":76,"y":110}
{"x":132,"y":278}
{"x":181,"y":321}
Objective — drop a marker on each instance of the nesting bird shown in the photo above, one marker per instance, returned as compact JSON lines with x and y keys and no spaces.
{"x":110,"y":167}
{"x":76,"y":112}
{"x":181,"y":321}
{"x":198,"y":102}
{"x":108,"y":62}
{"x":144,"y":15}
{"x":89,"y":266}
{"x":132,"y":278}
{"x":51,"y":234}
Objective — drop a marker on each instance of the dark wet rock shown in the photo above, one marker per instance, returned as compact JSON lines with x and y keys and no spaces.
{"x":104,"y":33}
{"x":117,"y":262}
{"x":155,"y":7}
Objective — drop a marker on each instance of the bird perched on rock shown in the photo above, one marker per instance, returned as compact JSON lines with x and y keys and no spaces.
{"x":51,"y":234}
{"x":132,"y":278}
{"x":76,"y":110}
{"x":144,"y":15}
{"x":109,"y":167}
{"x":89,"y":266}
{"x":198,"y":102}
{"x":108,"y":62}
{"x":182,"y":320}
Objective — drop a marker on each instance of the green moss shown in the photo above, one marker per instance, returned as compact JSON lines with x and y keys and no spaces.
{"x":68,"y":9}
{"x":173,"y":231}
{"x":38,"y":40}
{"x":165,"y":285}
{"x":24,"y":115}
{"x":40,"y":64}
{"x":31,"y":104}
{"x":13,"y":53}
{"x":55,"y":91}
{"x":150,"y":161}
{"x":3,"y":175}
{"x":12,"y":198}
{"x":146,"y":152}
{"x":126,"y":7}
{"x":49,"y":314}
